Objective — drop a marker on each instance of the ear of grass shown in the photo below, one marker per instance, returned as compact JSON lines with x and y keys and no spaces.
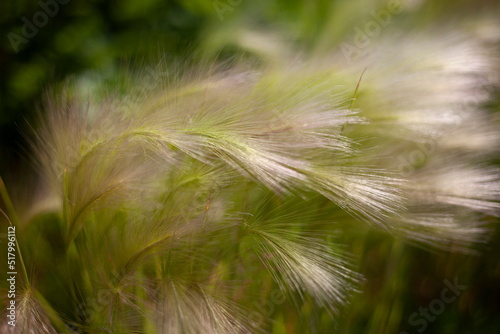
{"x":291,"y":249}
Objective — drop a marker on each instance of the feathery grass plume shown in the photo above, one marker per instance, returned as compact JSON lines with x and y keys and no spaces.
{"x":420,"y":110}
{"x":185,"y":208}
{"x":291,"y":246}
{"x":30,"y":317}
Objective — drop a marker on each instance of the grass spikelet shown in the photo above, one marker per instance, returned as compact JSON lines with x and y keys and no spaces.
{"x":31,"y":317}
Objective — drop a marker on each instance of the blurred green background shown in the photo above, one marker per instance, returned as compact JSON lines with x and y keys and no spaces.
{"x":103,"y":38}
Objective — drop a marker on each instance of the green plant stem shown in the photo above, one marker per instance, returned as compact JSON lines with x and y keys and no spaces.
{"x":357,"y":88}
{"x":12,"y":213}
{"x":8,"y":203}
